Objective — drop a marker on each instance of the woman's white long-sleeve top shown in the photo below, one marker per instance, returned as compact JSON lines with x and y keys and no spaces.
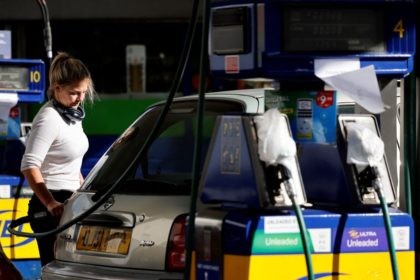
{"x":57,"y":148}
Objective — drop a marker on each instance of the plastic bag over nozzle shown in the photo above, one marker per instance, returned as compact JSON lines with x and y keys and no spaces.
{"x":276,"y":147}
{"x":365,"y":149}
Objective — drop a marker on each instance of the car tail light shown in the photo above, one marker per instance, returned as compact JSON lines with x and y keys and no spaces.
{"x":175,"y":256}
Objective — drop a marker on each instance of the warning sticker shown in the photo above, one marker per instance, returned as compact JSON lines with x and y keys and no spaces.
{"x":232,"y":64}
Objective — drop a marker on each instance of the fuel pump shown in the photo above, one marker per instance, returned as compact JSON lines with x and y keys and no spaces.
{"x":246,"y":229}
{"x":276,"y":147}
{"x":246,"y":176}
{"x":367,"y":169}
{"x":369,"y":45}
{"x":22,"y":81}
{"x":363,"y":152}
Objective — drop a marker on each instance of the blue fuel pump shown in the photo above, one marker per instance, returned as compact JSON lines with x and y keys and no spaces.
{"x":243,"y":234}
{"x":346,"y":212}
{"x":23,"y":81}
{"x":365,"y":152}
{"x":236,"y":178}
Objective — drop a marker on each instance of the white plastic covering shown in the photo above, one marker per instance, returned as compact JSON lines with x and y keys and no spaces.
{"x":277,"y":147}
{"x":364,"y":147}
{"x":275,"y":144}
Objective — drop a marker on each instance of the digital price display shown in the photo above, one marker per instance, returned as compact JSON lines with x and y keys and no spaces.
{"x":377,"y":32}
{"x":283,"y":38}
{"x":14,"y":78}
{"x":333,"y":30}
{"x":24,"y":77}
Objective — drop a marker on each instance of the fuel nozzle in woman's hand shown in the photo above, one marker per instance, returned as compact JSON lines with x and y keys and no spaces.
{"x":55,"y":208}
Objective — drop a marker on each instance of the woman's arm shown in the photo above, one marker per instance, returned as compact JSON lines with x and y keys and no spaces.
{"x":36,"y":182}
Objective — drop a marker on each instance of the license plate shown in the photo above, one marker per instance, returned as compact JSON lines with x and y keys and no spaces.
{"x":104,"y":240}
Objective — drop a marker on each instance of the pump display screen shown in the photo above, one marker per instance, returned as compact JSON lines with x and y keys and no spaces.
{"x":332,"y":30}
{"x":229,"y":30}
{"x":14,"y":78}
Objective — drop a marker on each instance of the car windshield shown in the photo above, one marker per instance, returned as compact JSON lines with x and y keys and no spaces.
{"x":166,"y":165}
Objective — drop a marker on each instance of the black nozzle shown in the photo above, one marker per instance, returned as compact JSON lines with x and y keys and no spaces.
{"x":285,"y":173}
{"x":366,"y":177}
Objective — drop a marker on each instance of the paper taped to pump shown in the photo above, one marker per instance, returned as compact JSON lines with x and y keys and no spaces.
{"x":346,"y":76}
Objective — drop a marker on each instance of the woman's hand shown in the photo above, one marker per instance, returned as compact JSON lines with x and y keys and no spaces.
{"x":36,"y":182}
{"x":55,"y":208}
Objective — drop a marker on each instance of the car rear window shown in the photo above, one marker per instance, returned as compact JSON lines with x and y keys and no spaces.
{"x":165,"y":166}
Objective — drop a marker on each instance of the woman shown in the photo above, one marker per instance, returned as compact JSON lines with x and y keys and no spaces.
{"x":55,"y":147}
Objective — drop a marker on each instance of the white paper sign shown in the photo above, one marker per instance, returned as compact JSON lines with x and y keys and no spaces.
{"x":346,"y":76}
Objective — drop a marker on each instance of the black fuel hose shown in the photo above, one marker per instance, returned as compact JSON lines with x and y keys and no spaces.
{"x":47,"y":29}
{"x":198,"y":139}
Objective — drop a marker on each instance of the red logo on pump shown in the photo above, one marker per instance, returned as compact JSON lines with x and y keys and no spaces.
{"x":232,"y":64}
{"x":325,"y":99}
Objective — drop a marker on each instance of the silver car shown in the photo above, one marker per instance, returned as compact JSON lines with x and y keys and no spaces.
{"x":139,"y":232}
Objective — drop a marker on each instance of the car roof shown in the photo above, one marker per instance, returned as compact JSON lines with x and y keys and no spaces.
{"x":254,"y":92}
{"x":243,"y":95}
